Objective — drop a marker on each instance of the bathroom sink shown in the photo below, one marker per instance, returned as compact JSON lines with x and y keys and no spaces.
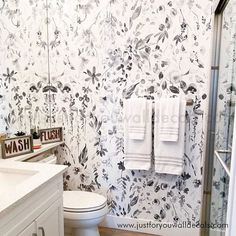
{"x":10,"y":178}
{"x":19,"y":181}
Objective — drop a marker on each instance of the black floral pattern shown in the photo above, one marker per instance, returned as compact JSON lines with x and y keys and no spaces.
{"x":23,"y":75}
{"x":100,"y":53}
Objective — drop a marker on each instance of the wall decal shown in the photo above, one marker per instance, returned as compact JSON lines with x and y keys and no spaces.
{"x":101,"y":52}
{"x":12,"y":147}
{"x":24,"y":103}
{"x":50,"y":135}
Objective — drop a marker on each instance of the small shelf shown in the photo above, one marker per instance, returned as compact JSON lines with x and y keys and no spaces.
{"x":43,"y":149}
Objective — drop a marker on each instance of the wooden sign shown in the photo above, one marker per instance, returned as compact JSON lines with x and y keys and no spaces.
{"x":16,"y":146}
{"x":50,"y":135}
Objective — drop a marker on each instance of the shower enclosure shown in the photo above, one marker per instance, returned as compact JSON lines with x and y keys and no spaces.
{"x":219,"y":171}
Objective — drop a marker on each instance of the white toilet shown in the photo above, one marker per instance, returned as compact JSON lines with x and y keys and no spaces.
{"x":83,"y":211}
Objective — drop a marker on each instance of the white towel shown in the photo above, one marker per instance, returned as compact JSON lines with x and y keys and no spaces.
{"x":135,"y":117}
{"x":169,"y":156}
{"x":169,"y":119}
{"x":138,"y":152}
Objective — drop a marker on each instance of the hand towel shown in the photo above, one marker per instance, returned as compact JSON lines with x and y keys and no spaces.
{"x":135,"y":117}
{"x":138,"y":152}
{"x":169,"y":119}
{"x":169,"y":156}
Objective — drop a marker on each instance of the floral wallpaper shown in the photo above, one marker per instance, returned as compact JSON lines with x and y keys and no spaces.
{"x":102,"y":52}
{"x":23,"y":66}
{"x":76,"y":62}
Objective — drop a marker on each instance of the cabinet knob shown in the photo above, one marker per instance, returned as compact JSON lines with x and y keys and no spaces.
{"x":43,"y":232}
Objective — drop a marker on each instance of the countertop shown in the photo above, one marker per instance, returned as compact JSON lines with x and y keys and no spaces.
{"x":39,"y":174}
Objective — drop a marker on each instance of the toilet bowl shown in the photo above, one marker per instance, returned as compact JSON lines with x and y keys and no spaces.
{"x":83,"y":212}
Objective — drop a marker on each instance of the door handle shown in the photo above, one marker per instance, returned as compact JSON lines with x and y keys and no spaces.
{"x":43,"y":232}
{"x":223,"y":151}
{"x":34,"y":234}
{"x":217,"y":154}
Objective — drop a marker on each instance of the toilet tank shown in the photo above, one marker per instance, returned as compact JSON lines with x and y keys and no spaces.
{"x":49,"y":159}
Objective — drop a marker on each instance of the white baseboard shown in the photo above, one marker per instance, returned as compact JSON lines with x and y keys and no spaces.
{"x":115,"y":222}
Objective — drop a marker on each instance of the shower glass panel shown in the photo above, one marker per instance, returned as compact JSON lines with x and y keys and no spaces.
{"x":226,"y":98}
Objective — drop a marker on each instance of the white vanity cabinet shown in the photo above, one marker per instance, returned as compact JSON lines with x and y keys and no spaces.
{"x":38,"y":214}
{"x":48,"y":223}
{"x":29,"y":231}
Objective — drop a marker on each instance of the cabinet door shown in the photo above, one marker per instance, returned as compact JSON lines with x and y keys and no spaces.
{"x":29,"y":231}
{"x":51,"y":223}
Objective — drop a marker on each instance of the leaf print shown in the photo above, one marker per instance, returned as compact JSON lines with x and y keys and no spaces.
{"x":174,"y":89}
{"x":136,"y":213}
{"x":66,"y":89}
{"x":178,"y":39}
{"x":185,"y":176}
{"x":121,"y":166}
{"x":160,"y":75}
{"x":83,"y":157}
{"x":191,"y":89}
{"x":150,"y":183}
{"x":167,"y":206}
{"x":157,"y":188}
{"x":135,"y":16}
{"x":186,"y":190}
{"x":200,"y":65}
{"x":147,"y":38}
{"x":82,"y":113}
{"x":136,"y":12}
{"x":139,"y":44}
{"x":151,"y":89}
{"x":134,"y":201}
{"x":183,"y":85}
{"x":33,"y":88}
{"x":162,"y":36}
{"x":134,"y":6}
{"x":129,"y":208}
{"x":164,"y":85}
{"x":163,"y":214}
{"x":127,"y":93}
{"x":188,"y":205}
{"x":39,"y":84}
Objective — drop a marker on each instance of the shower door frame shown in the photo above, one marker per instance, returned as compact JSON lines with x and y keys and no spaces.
{"x":211,"y":121}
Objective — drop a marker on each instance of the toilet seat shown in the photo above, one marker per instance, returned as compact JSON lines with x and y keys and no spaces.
{"x":90,"y":215}
{"x":83,"y":212}
{"x":75,"y":210}
{"x":83,"y":202}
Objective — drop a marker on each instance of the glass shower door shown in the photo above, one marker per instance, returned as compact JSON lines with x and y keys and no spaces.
{"x":225,"y":112}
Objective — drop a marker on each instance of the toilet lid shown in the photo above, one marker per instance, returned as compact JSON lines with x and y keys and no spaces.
{"x":83,"y":201}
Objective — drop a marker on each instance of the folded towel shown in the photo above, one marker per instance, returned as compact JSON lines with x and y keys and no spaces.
{"x":169,"y":155}
{"x":138,"y":152}
{"x":135,"y":117}
{"x":169,"y":119}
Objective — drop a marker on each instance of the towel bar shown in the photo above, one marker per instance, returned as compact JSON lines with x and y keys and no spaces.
{"x":189,"y":102}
